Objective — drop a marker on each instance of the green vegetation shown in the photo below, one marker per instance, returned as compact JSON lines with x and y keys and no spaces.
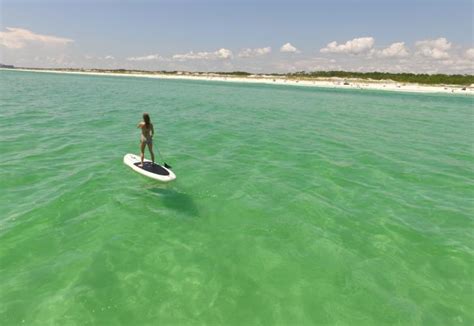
{"x":438,"y":79}
{"x":234,"y":73}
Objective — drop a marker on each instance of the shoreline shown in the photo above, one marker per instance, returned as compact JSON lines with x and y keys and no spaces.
{"x":335,"y":83}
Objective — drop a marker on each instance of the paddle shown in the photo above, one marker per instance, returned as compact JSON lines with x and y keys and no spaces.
{"x":161,"y":157}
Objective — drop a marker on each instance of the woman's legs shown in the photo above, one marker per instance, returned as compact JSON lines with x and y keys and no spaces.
{"x":142,"y":151}
{"x":150,"y":148}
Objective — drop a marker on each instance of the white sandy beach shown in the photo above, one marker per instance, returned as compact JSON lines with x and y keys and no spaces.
{"x":326,"y":83}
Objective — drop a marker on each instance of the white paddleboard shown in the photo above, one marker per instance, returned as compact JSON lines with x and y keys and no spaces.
{"x":149,"y":169}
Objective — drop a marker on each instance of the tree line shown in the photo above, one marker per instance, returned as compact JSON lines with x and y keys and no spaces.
{"x":398,"y":77}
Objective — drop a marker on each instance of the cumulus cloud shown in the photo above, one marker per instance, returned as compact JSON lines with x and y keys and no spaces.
{"x":436,"y":49}
{"x":310,"y":64}
{"x":145,"y":58}
{"x":355,"y":46}
{"x":457,"y":64}
{"x":395,"y":50}
{"x":109,"y":57}
{"x":17,"y":38}
{"x":219,"y":54}
{"x":249,"y":53}
{"x":469,"y":53}
{"x":287,"y":47}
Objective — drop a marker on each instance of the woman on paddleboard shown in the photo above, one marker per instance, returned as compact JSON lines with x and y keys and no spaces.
{"x":146,"y":138}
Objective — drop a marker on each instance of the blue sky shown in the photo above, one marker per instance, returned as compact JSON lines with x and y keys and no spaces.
{"x":187,"y":35}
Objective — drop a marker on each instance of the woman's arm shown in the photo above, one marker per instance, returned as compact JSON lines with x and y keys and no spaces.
{"x":152,"y":130}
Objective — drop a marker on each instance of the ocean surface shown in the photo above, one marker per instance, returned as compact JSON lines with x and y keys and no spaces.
{"x":292,"y":205}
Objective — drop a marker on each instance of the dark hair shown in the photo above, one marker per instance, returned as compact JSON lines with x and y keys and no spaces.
{"x":146,"y":118}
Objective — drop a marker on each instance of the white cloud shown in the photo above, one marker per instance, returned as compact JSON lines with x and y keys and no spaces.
{"x":145,"y":58}
{"x":448,"y":62}
{"x":436,"y":49}
{"x":17,"y":38}
{"x":248,"y":53}
{"x":287,"y":47}
{"x":458,"y":64}
{"x":109,"y":57}
{"x":395,"y":50}
{"x":310,"y":64}
{"x":355,"y":46}
{"x":219,"y":54}
{"x":469,"y":53}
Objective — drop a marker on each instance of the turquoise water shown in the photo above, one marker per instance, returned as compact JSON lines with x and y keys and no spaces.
{"x":293,"y":206}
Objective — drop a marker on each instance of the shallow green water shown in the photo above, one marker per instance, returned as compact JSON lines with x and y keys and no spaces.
{"x":293,"y":206}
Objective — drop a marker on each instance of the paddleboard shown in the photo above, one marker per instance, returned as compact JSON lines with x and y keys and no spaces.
{"x":149,"y":169}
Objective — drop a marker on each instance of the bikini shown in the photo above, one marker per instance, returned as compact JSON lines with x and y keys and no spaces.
{"x":146,"y":139}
